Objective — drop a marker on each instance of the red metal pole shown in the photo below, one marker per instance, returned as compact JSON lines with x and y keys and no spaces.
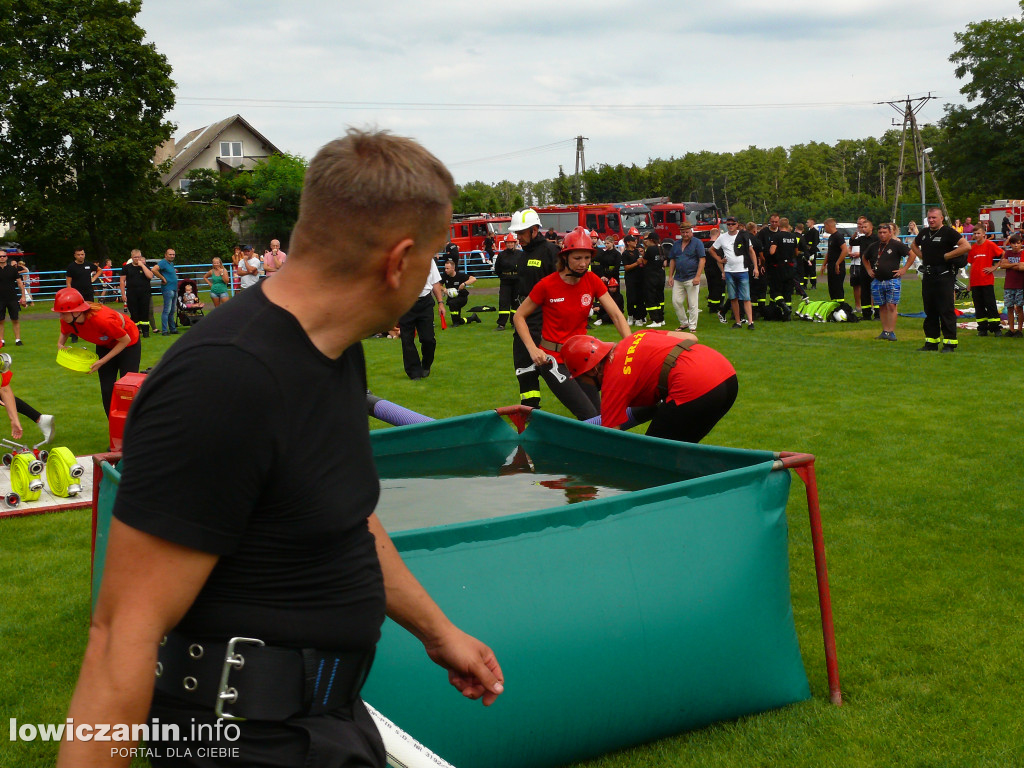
{"x":803,"y":464}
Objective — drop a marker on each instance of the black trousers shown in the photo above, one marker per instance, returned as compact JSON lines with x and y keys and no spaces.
{"x":654,"y":278}
{"x":939,"y":312}
{"x":835,"y":282}
{"x":780,"y":283}
{"x":140,"y":308}
{"x":127,"y":360}
{"x":715,"y":282}
{"x":26,"y":410}
{"x":418,"y":320}
{"x":636,"y":295}
{"x":758,"y":292}
{"x":507,"y":302}
{"x":455,"y":304}
{"x":867,"y":301}
{"x":690,"y":422}
{"x":986,"y":311}
{"x":811,"y":272}
{"x":583,"y":401}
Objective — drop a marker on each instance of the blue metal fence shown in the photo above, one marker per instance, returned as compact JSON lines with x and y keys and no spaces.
{"x":44,"y":285}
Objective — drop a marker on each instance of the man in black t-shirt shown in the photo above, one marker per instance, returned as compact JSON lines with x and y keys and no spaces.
{"x":860,"y":278}
{"x":883,"y":261}
{"x":835,"y":261}
{"x":81,"y":274}
{"x":12,"y":297}
{"x":285,"y":558}
{"x":654,"y":280}
{"x":455,"y":284}
{"x":937,"y":247}
{"x":636,"y":288}
{"x":137,"y":292}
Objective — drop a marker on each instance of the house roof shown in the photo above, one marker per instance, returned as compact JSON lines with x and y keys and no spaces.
{"x":195,"y":142}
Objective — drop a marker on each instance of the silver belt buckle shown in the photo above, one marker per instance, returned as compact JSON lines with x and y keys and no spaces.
{"x":225,"y":693}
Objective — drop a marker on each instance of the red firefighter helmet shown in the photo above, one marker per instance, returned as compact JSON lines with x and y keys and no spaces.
{"x":69,"y":300}
{"x":583,"y":353}
{"x":634,"y":232}
{"x":577,"y":240}
{"x":511,"y":238}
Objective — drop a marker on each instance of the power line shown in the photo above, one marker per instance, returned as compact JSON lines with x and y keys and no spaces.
{"x":516,"y":153}
{"x":427,"y":106}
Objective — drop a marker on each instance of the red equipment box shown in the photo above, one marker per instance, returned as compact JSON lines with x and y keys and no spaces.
{"x":124,"y":393}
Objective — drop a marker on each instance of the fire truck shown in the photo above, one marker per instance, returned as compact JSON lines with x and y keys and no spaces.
{"x":995,"y":213}
{"x":704,"y":217}
{"x":468,"y":230}
{"x":614,"y":219}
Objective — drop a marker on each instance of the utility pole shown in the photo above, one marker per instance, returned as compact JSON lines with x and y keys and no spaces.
{"x":581,"y":168}
{"x":909,"y":108}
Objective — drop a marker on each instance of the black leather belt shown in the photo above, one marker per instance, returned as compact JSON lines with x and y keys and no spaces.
{"x":244,"y":679}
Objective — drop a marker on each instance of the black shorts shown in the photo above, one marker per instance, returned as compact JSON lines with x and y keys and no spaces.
{"x":9,"y":305}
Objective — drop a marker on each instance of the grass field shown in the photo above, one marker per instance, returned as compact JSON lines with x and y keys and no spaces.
{"x":920,"y":497}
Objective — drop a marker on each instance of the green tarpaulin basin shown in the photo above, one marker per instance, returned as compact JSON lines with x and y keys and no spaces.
{"x":650,"y":596}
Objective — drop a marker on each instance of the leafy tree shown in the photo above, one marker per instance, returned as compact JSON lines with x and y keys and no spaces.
{"x":983,"y":146}
{"x":274,"y":187}
{"x":82,"y":104}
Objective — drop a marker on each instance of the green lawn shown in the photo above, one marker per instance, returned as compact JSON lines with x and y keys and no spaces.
{"x":919,"y":498}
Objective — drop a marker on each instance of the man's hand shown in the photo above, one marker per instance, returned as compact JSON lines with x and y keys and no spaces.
{"x":837,"y":267}
{"x":671,"y":282}
{"x":16,"y":430}
{"x":472,"y":667}
{"x":539,"y":356}
{"x":696,"y":281}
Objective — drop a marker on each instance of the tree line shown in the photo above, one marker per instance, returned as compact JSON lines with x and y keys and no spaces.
{"x":83,"y":100}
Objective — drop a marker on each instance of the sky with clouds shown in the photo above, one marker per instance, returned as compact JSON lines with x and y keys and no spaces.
{"x":500,"y":91}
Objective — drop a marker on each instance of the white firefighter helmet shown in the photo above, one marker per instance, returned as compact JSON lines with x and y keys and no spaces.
{"x":5,"y":362}
{"x":524,"y":219}
{"x":839,"y":316}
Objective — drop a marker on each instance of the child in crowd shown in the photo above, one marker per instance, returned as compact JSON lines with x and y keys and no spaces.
{"x":984,"y":253}
{"x":189,"y":298}
{"x":1013,"y":286}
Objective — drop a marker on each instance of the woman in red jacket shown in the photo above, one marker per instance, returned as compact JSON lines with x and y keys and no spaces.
{"x":115,"y":336}
{"x":567,"y":298}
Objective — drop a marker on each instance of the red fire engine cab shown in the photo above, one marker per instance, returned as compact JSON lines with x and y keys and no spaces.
{"x":703,"y":217}
{"x":468,"y":230}
{"x":607,"y":219}
{"x":1000,"y":210}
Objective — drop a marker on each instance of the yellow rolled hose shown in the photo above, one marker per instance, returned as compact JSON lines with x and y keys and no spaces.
{"x":24,"y":482}
{"x":63,"y":472}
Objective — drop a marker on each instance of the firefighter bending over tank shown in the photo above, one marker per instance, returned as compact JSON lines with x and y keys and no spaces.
{"x":691,"y":385}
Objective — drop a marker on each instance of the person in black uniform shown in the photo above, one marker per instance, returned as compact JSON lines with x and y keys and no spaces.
{"x":455,"y":287}
{"x":779,"y":263}
{"x":811,"y":240}
{"x":835,"y":261}
{"x":506,"y":265}
{"x":606,"y":264}
{"x":289,"y":552}
{"x":715,"y":281}
{"x":12,"y":297}
{"x":938,"y":246}
{"x":759,"y":289}
{"x":636,"y":288}
{"x":537,"y":259}
{"x":654,"y":279}
{"x":137,"y":292}
{"x":866,"y":239}
{"x":451,"y":251}
{"x":488,"y":246}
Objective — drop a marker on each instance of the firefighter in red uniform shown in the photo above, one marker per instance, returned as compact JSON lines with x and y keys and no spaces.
{"x":691,"y":385}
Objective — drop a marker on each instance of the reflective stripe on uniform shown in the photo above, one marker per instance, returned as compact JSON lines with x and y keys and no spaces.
{"x":528,"y":395}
